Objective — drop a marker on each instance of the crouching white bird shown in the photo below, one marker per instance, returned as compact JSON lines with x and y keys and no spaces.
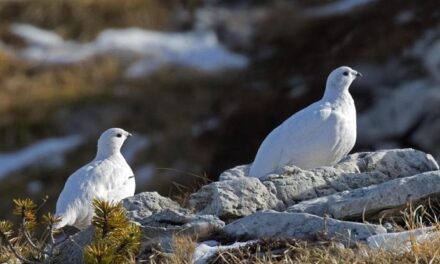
{"x":107,"y":177}
{"x":318,"y":135}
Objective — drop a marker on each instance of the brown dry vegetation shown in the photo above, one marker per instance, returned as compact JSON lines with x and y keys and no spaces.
{"x":83,"y":19}
{"x":24,"y":86}
{"x":331,"y":253}
{"x":299,"y":252}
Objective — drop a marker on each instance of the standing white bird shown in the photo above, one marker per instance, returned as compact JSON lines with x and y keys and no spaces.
{"x":318,"y":135}
{"x":107,"y":177}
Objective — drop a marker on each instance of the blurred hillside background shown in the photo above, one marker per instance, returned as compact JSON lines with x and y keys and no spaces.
{"x":201,"y":82}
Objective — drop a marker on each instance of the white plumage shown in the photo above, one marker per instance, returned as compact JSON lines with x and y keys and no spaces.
{"x":107,"y":177}
{"x":318,"y":135}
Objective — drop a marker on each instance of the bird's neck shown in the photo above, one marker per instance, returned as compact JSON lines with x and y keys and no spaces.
{"x":106,"y":151}
{"x":336,"y":95}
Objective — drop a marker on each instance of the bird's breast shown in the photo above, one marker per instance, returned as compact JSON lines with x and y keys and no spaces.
{"x":345,"y":134}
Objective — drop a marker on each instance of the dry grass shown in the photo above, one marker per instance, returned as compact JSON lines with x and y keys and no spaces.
{"x":83,"y":19}
{"x":301,"y":252}
{"x":23,"y":85}
{"x":332,"y":253}
{"x":183,"y":247}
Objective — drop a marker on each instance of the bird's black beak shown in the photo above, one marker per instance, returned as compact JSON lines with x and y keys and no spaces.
{"x":358,"y":74}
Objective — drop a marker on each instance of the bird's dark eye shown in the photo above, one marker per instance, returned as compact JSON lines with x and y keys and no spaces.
{"x":345,"y":73}
{"x":119,"y":135}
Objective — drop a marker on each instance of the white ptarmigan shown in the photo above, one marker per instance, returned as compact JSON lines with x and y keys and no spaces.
{"x":318,"y":135}
{"x":107,"y":177}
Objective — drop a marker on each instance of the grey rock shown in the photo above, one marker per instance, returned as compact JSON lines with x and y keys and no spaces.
{"x":401,"y":242}
{"x":161,"y":218}
{"x":271,"y":224}
{"x":145,"y":204}
{"x":374,"y":201}
{"x":182,"y":222}
{"x":234,"y":198}
{"x":392,"y":162}
{"x":160,"y":228}
{"x":292,"y":184}
{"x":71,"y":250}
{"x":235,"y":173}
{"x":238,"y":25}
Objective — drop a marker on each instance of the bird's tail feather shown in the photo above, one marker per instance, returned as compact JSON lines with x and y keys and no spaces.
{"x":66,"y":219}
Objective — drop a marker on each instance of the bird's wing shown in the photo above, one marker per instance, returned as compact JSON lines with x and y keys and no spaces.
{"x":71,"y":201}
{"x":292,"y":133}
{"x":304,"y":132}
{"x":72,"y":188}
{"x":98,"y":179}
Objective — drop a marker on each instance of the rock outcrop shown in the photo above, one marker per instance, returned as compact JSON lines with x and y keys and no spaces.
{"x":288,"y":204}
{"x":142,"y":205}
{"x":384,"y":199}
{"x":236,"y":195}
{"x":273,"y":224}
{"x":71,"y":250}
{"x":159,"y":229}
{"x":234,"y":198}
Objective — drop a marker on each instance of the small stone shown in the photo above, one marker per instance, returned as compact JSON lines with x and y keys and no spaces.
{"x":143,"y":205}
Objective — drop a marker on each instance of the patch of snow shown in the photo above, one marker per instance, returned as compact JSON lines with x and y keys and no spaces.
{"x":336,"y":8}
{"x":36,"y":36}
{"x":151,"y":49}
{"x":402,"y":241}
{"x":204,"y":251}
{"x":143,"y":67}
{"x":237,"y":26}
{"x":36,"y":153}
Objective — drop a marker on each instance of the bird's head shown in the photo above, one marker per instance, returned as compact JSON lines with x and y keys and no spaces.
{"x":341,"y":78}
{"x":111,"y":141}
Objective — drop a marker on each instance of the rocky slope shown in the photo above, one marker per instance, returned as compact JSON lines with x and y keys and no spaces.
{"x":342,"y":203}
